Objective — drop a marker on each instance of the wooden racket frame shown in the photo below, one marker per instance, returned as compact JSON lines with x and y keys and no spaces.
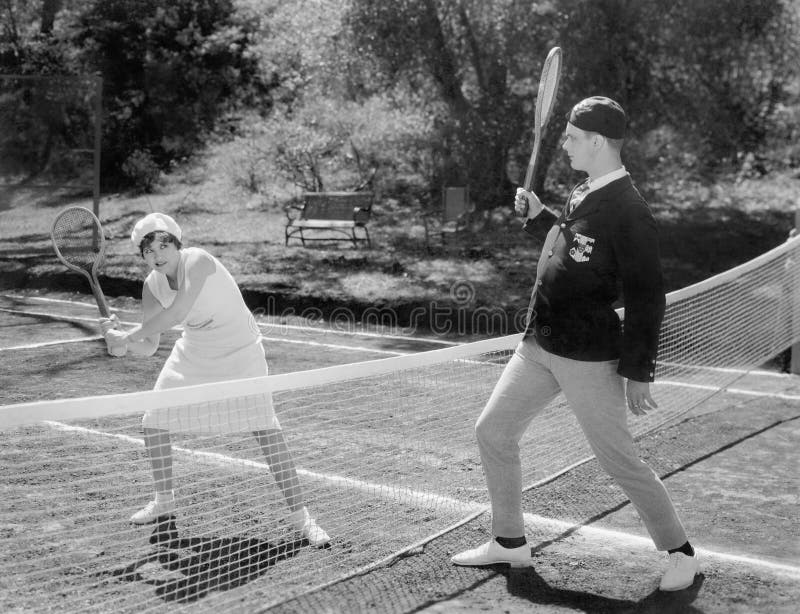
{"x":542,"y":115}
{"x":90,"y":275}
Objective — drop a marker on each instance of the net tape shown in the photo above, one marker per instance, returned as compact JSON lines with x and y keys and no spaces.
{"x":385,"y":453}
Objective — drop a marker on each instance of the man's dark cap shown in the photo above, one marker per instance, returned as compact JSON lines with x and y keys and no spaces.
{"x":599,"y":114}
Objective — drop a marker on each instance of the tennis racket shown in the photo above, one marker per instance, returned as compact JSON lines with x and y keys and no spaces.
{"x":79,"y":243}
{"x":545,"y":102}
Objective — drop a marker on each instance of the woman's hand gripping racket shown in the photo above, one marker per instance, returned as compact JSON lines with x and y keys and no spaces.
{"x":79,"y":243}
{"x":545,"y":103}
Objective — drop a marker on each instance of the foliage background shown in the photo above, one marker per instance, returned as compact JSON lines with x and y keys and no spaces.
{"x":415,"y":94}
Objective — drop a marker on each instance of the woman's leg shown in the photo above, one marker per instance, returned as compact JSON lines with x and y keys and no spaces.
{"x":159,"y":449}
{"x":281,"y":464}
{"x":276,"y":451}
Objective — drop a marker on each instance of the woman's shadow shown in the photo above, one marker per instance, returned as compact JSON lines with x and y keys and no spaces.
{"x":192,"y":567}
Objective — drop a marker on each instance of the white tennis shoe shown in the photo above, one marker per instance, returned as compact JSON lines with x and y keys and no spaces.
{"x":492,"y":553}
{"x":154,"y":510}
{"x":680,"y":573}
{"x":304,"y":524}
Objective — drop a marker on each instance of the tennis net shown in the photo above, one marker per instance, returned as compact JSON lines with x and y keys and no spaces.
{"x":384,"y":450}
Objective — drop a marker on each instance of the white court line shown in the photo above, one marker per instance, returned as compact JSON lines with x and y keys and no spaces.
{"x":394,"y":493}
{"x":128,"y":323}
{"x":759,"y":372}
{"x":617,"y":537}
{"x":742,"y":391}
{"x":51,"y":316}
{"x":33,"y":346}
{"x":312,"y":329}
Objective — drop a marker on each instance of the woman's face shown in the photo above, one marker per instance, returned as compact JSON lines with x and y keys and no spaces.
{"x":162,"y":254}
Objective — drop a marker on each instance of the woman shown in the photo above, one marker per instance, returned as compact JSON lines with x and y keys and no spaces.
{"x":220,"y":341}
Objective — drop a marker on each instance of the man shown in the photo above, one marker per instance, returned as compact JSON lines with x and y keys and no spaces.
{"x":574,"y":343}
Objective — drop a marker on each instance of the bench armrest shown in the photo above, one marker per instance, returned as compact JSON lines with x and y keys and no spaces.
{"x":293,"y":212}
{"x":361,"y":214}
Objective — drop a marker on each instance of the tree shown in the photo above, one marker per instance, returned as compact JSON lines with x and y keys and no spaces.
{"x":474,"y":57}
{"x":169,"y":72}
{"x":713,"y":71}
{"x":50,"y":9}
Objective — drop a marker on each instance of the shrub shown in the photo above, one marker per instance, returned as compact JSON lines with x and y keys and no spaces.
{"x":141,"y":170}
{"x":169,"y":71}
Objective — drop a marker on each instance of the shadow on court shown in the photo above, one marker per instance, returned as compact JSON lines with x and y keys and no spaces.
{"x":186,"y":569}
{"x":527,"y":584}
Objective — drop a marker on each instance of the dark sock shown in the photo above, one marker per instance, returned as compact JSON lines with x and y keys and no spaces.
{"x":511,"y":542}
{"x":685,"y":549}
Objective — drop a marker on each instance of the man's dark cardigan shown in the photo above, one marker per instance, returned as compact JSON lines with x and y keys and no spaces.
{"x":609,"y":240}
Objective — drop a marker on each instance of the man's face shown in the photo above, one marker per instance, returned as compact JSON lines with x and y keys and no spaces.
{"x":579,"y":146}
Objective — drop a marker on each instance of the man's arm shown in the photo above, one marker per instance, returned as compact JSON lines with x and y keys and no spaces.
{"x":636,"y":249}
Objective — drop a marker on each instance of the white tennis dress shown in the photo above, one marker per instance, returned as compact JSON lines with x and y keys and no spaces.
{"x":221,"y":341}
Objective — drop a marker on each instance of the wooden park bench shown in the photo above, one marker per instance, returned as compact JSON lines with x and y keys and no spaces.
{"x":340,"y":212}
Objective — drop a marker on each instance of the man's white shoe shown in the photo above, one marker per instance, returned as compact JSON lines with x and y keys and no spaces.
{"x":680,"y":573}
{"x":304,"y":524}
{"x":492,"y":553}
{"x":152,"y":511}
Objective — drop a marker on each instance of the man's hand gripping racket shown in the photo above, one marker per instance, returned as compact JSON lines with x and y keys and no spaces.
{"x":526,"y":202}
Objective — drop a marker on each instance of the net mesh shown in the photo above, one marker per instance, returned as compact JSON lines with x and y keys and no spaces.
{"x":78,"y":238}
{"x":384,"y":451}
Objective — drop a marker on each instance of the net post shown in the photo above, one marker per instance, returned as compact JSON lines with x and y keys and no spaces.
{"x":794,"y":366}
{"x":98,"y":141}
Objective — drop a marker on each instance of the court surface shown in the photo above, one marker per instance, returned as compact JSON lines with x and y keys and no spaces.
{"x":731,"y":467}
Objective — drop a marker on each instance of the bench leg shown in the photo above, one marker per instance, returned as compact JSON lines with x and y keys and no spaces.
{"x":356,"y":239}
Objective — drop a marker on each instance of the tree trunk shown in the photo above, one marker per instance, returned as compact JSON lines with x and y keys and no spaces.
{"x":50,"y":9}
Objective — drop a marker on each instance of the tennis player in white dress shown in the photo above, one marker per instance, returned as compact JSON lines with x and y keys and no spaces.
{"x":220,"y":342}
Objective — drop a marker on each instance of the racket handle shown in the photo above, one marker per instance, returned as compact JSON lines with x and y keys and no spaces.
{"x":100,"y":299}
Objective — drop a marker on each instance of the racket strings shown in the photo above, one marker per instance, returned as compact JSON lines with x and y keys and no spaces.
{"x":550,"y":86}
{"x":78,"y":238}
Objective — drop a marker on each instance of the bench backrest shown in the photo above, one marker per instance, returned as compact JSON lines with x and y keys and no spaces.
{"x":335,"y":205}
{"x":456,"y":203}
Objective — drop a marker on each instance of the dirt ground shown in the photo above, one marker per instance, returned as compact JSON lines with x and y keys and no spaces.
{"x":731,"y":466}
{"x":728,"y":502}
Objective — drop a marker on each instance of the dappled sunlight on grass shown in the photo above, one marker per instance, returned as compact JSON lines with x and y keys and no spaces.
{"x":377,"y":286}
{"x":443,"y":272}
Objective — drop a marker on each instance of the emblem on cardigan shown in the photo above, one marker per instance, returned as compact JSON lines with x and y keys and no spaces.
{"x":581,"y":249}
